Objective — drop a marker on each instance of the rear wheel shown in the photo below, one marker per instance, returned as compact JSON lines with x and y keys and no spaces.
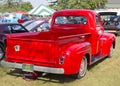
{"x":2,"y":53}
{"x":83,"y":68}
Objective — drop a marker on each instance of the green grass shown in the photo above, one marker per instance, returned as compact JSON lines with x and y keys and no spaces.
{"x":103,"y":73}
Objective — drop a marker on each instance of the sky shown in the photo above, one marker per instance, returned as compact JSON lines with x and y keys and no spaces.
{"x":38,"y":2}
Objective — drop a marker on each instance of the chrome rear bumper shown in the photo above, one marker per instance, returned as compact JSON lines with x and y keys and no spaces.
{"x":36,"y":68}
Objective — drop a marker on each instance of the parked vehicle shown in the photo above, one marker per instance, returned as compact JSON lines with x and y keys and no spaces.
{"x":8,"y":28}
{"x":75,"y":40}
{"x":15,"y":18}
{"x":111,"y":22}
{"x":36,"y":25}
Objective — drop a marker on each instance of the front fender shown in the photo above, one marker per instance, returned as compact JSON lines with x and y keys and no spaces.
{"x":108,"y":40}
{"x":73,"y":54}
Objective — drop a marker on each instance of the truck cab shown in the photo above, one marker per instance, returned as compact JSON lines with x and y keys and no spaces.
{"x":75,"y":40}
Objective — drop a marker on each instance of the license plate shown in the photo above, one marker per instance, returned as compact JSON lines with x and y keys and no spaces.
{"x":27,"y":67}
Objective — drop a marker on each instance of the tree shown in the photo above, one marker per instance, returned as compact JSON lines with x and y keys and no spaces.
{"x":25,"y":6}
{"x":9,"y":3}
{"x":10,"y":7}
{"x":79,"y":4}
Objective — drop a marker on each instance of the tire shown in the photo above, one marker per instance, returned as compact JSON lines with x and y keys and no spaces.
{"x":111,"y":52}
{"x":83,"y":69}
{"x":2,"y":53}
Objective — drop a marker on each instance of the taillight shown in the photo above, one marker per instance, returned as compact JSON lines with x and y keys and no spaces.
{"x":21,"y":21}
{"x":61,"y":60}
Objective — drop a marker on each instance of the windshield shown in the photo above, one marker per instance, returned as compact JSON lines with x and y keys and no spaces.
{"x":109,"y":19}
{"x":71,"y":20}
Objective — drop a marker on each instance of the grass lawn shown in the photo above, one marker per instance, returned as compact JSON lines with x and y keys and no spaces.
{"x":103,"y":73}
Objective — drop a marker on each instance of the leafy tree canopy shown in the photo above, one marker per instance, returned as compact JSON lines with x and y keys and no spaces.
{"x":10,"y":7}
{"x":78,"y":4}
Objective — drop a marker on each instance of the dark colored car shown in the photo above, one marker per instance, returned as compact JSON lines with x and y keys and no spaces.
{"x":36,"y":25}
{"x":111,"y":22}
{"x":8,"y":28}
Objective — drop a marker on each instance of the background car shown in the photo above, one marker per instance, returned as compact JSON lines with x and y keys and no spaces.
{"x":36,"y":25}
{"x":8,"y":28}
{"x":111,"y":22}
{"x":15,"y":18}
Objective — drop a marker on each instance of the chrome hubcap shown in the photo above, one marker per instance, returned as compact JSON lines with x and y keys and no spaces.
{"x":83,"y":67}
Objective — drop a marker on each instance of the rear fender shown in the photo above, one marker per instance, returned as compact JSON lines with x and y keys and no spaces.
{"x":73,"y":55}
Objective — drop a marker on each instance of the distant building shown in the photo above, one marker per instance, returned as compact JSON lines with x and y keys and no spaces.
{"x":113,"y":4}
{"x":2,"y":1}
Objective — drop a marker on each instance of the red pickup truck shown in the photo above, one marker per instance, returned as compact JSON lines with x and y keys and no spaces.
{"x":75,"y":40}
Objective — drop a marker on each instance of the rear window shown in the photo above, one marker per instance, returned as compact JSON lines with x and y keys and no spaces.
{"x":71,"y":20}
{"x":108,"y":17}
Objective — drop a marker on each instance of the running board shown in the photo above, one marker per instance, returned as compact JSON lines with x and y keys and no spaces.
{"x":97,"y":58}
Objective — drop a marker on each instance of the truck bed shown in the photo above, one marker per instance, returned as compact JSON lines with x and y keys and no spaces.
{"x":39,"y":48}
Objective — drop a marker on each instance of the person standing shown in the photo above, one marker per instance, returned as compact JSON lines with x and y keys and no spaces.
{"x":3,"y":19}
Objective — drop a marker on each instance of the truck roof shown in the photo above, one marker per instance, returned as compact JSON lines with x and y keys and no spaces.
{"x":74,"y":12}
{"x":108,"y":13}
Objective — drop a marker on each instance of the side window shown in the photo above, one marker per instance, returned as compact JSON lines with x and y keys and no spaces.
{"x":7,"y":30}
{"x":97,"y":21}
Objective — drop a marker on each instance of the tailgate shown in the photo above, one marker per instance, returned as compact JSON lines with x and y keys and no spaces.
{"x":38,"y":52}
